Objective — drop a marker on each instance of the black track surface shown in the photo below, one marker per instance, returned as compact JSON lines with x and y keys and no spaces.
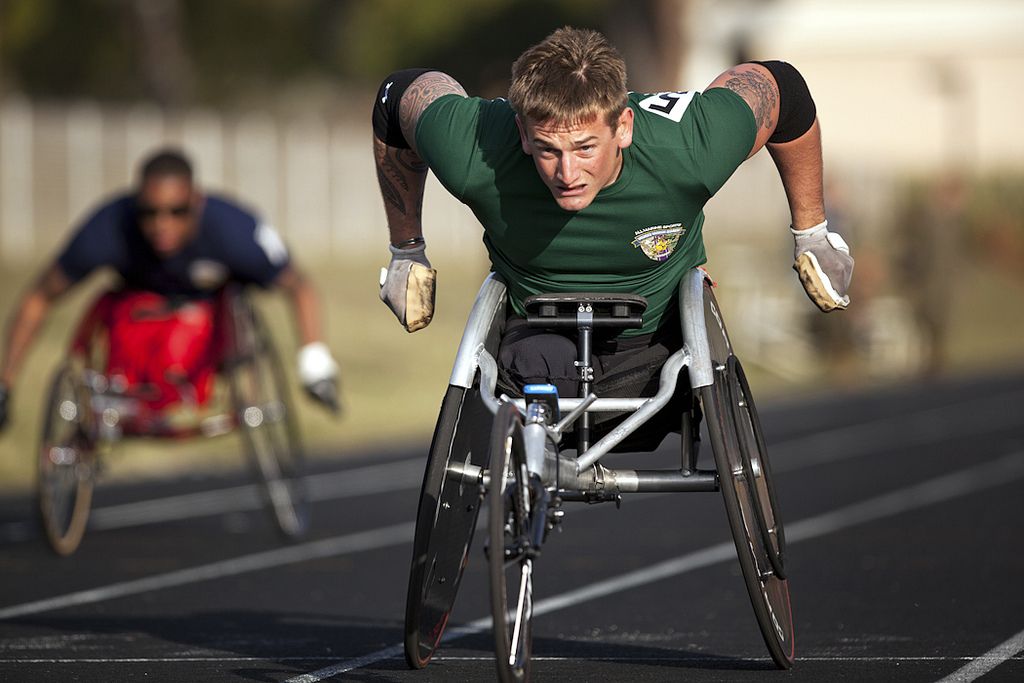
{"x":903,"y":510}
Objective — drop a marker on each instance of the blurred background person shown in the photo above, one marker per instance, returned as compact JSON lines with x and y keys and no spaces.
{"x":175,"y":249}
{"x":929,"y":250}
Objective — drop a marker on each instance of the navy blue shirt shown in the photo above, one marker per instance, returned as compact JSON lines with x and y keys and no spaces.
{"x":230,"y":244}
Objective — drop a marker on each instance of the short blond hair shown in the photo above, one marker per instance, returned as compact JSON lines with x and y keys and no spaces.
{"x":571,"y":77}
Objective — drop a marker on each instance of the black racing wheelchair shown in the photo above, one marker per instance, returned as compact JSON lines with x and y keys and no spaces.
{"x":511,"y":452}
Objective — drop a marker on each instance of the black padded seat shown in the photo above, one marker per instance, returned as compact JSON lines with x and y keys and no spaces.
{"x":606,"y":310}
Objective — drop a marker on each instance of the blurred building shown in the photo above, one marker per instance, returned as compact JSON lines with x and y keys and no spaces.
{"x":904,"y":89}
{"x":902,"y":86}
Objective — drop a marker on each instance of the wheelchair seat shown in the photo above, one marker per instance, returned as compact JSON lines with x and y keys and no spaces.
{"x":593,"y":309}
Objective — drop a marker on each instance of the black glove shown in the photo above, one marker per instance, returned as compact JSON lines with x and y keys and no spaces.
{"x":325,"y":392}
{"x":318,"y":373}
{"x":5,"y":394}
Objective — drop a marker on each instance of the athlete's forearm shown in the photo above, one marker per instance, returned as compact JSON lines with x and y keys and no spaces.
{"x":800,"y":168}
{"x":401,"y":172}
{"x":25,"y":323}
{"x":21,"y":331}
{"x":402,"y":176}
{"x":305,"y":305}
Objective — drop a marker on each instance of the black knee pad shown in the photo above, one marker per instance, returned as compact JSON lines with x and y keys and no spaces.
{"x":796,"y":107}
{"x":386,"y":121}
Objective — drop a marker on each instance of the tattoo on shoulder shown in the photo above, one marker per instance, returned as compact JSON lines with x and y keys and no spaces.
{"x":759,"y":93}
{"x":420,"y":94}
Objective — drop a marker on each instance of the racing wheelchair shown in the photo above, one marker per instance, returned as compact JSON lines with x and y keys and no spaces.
{"x":510,"y":451}
{"x":240,"y":386}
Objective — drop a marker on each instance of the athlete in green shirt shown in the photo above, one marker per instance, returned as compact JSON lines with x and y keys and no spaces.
{"x":581,"y":185}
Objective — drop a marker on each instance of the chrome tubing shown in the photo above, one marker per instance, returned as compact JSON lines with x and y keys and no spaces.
{"x":695,"y":333}
{"x":666,"y":388}
{"x":488,"y":309}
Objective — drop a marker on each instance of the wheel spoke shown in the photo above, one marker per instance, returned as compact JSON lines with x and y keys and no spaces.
{"x":260,"y":393}
{"x":524,"y":610}
{"x":511,"y":554}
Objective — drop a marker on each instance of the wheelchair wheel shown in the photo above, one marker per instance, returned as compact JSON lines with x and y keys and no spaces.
{"x":260,"y":393}
{"x":445,"y":521}
{"x":756,"y":466}
{"x":510,"y":552}
{"x":745,"y":482}
{"x":65,"y":464}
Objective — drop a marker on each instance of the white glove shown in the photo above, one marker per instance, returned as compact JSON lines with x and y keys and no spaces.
{"x":318,"y":373}
{"x":407,"y":286}
{"x":823,"y":262}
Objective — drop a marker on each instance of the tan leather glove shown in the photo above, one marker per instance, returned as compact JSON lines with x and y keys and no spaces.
{"x":407,"y":286}
{"x":823,"y":262}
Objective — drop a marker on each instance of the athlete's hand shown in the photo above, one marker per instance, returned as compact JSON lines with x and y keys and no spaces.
{"x":824,"y":264}
{"x":318,"y":373}
{"x":407,"y":286}
{"x":4,"y":396}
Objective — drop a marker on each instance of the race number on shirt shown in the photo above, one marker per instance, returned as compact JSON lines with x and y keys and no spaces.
{"x":671,"y":105}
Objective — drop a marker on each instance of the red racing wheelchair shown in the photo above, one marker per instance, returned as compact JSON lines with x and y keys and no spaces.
{"x":212,"y":370}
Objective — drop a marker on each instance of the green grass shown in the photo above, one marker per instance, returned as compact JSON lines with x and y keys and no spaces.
{"x":392,"y":381}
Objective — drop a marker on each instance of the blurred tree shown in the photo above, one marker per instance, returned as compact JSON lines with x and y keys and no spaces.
{"x":649,"y":33}
{"x":179,"y":52}
{"x":170,"y":51}
{"x":474,"y":40}
{"x":164,"y":62}
{"x":53,"y":48}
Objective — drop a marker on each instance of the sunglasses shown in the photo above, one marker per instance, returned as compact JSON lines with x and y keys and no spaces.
{"x":180,"y":211}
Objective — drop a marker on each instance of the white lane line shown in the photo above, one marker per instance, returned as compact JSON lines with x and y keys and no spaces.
{"x":363,"y":481}
{"x":327,"y":486}
{"x":929,"y":426}
{"x":988,"y":661}
{"x":158,"y":660}
{"x":393,"y":652}
{"x":840,"y":443}
{"x":1000,"y":471}
{"x":697,"y":658}
{"x":455,"y":658}
{"x":354,"y":482}
{"x":313,"y":550}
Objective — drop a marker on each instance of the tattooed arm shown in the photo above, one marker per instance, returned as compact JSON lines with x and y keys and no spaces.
{"x":798,"y":160}
{"x":401,"y":173}
{"x":787,"y":124}
{"x":755,"y":85}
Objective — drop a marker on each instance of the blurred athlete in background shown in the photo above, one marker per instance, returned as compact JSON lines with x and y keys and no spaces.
{"x":174,"y":248}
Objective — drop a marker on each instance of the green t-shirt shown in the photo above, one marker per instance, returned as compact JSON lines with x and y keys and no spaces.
{"x":639,"y":235}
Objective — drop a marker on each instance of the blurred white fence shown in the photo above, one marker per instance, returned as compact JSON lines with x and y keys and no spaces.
{"x":312,"y":178}
{"x":315,"y":180}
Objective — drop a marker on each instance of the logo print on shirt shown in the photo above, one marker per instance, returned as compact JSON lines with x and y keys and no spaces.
{"x":658,"y":241}
{"x":208,"y":275}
